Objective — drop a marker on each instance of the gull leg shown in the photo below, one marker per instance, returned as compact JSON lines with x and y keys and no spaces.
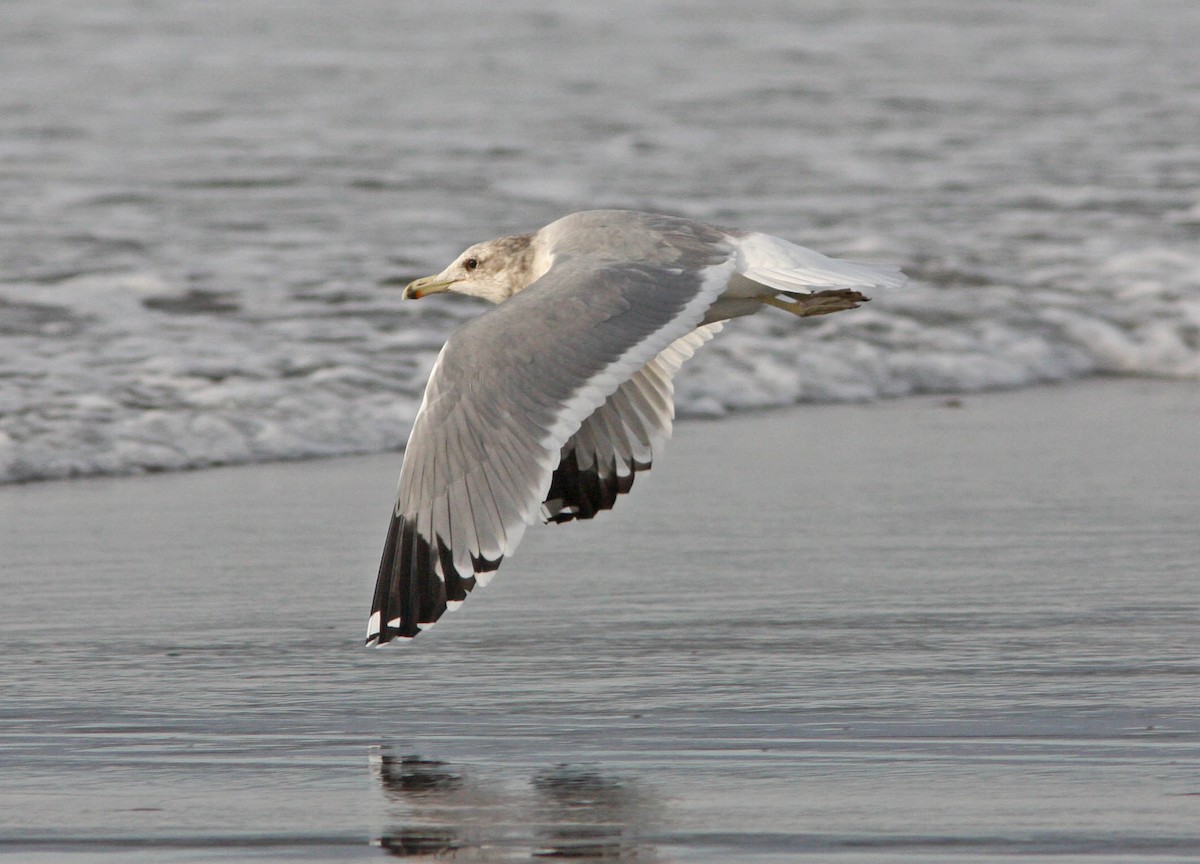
{"x":818,"y":303}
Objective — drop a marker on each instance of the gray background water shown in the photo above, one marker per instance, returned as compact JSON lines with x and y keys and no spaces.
{"x":940,"y":633}
{"x":202,"y":209}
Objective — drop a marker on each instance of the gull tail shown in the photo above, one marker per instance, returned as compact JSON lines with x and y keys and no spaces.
{"x":784,"y":266}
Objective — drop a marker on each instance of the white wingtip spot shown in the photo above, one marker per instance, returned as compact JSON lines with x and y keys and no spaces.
{"x":395,"y":622}
{"x":394,"y":642}
{"x":451,"y":605}
{"x":425,"y":625}
{"x":373,"y":626}
{"x":484,"y":577}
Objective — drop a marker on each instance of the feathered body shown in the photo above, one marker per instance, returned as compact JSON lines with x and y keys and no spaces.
{"x":548,"y":405}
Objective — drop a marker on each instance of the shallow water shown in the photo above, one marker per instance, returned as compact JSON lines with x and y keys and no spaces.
{"x":906,"y":631}
{"x":204,"y":217}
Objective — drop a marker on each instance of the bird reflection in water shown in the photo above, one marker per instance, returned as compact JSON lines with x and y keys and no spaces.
{"x":438,"y":811}
{"x":585,"y":815}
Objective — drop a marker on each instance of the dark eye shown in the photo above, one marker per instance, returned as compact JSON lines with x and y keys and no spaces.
{"x":471,"y":263}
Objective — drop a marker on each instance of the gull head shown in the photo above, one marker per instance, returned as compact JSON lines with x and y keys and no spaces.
{"x":494,"y":270}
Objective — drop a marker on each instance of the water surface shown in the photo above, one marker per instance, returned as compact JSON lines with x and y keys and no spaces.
{"x":862,"y":633}
{"x":204,"y":217}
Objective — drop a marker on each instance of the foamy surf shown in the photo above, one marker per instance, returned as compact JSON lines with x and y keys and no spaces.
{"x":100,"y":376}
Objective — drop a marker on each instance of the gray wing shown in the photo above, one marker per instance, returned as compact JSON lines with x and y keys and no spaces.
{"x":508,"y":390}
{"x":620,"y":438}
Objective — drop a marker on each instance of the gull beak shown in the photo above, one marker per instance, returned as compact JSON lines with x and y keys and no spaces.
{"x":418,"y":288}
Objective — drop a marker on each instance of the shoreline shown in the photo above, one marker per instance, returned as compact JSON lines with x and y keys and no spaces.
{"x":944,"y":400}
{"x":895,"y":626}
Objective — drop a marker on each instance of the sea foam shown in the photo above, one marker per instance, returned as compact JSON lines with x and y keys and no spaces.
{"x":101,"y":382}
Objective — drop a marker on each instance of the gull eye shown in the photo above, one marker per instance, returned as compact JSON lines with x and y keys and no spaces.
{"x":470,"y":264}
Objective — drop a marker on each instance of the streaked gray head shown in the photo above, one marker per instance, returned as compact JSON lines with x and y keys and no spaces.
{"x":494,"y":270}
{"x":499,"y":268}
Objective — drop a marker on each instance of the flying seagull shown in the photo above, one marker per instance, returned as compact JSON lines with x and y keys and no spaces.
{"x":549,"y":404}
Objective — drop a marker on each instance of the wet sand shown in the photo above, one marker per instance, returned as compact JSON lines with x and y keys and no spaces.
{"x":912,"y":629}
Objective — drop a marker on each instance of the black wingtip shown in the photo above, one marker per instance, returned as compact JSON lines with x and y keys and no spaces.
{"x":408,"y":590}
{"x":581,"y":493}
{"x":417,"y":583}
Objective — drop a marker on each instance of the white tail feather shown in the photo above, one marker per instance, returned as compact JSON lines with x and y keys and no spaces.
{"x":785,"y":266}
